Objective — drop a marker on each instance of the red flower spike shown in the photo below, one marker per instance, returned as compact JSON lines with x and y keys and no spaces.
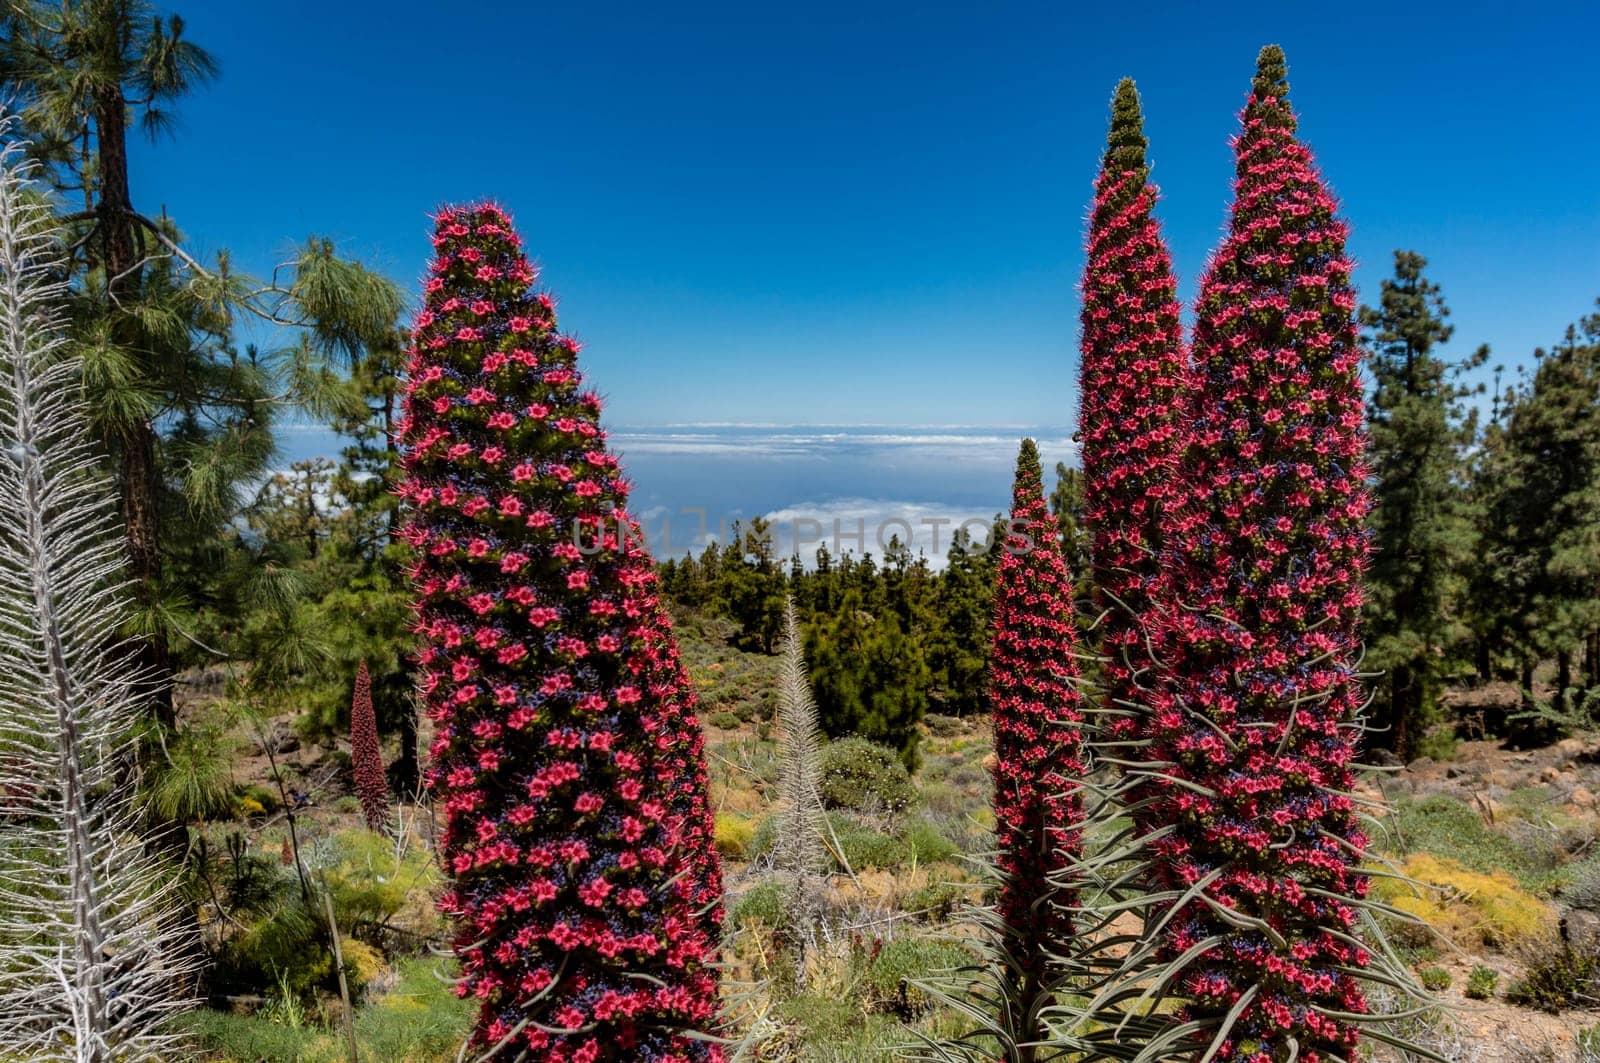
{"x":1130,"y":418}
{"x":568,"y":759}
{"x":366,"y":756}
{"x":1258,"y":693}
{"x":1038,"y":742}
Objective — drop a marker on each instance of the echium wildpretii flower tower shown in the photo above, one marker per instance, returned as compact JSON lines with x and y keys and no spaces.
{"x":1258,"y":699}
{"x":366,"y":754}
{"x":567,"y":760}
{"x":1038,"y":745}
{"x":1130,"y":418}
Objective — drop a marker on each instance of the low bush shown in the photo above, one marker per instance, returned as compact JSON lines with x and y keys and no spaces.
{"x":734,"y":835}
{"x":862,"y":776}
{"x":1567,"y":979}
{"x":248,"y":1038}
{"x":927,"y":844}
{"x":864,"y":847}
{"x":1482,"y":982}
{"x":762,"y":903}
{"x":900,"y":964}
{"x":1468,"y":906}
{"x":1444,"y":827}
{"x":724,"y":720}
{"x":938,"y":901}
{"x":1582,"y":889}
{"x":255,"y":799}
{"x":420,"y":1018}
{"x":1435,"y":979}
{"x":374,"y":886}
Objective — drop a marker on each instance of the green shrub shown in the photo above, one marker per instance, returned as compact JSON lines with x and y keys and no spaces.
{"x":859,"y":775}
{"x":724,"y":720}
{"x":865,"y":847}
{"x":1589,"y":1042}
{"x":1441,"y":745}
{"x":371,"y":886}
{"x":1482,"y":982}
{"x":734,"y":835}
{"x":762,"y":903}
{"x":255,"y":799}
{"x":1445,"y":827}
{"x":937,"y":901}
{"x":1435,"y":979}
{"x":903,"y":961}
{"x":1582,"y":889}
{"x":824,"y":1019}
{"x":247,"y":1038}
{"x":420,"y":1018}
{"x":282,"y":944}
{"x":927,"y":844}
{"x":1566,"y":980}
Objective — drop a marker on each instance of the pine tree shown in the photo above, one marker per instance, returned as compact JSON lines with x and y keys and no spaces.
{"x":366,"y":756}
{"x":958,"y":646}
{"x":1038,"y":744}
{"x":1542,"y":499}
{"x":568,"y":760}
{"x":1254,"y":718}
{"x":1131,"y":402}
{"x":1421,"y":522}
{"x":870,"y":676}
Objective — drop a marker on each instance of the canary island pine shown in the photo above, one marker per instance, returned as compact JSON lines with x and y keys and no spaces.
{"x":1038,"y":745}
{"x":1130,"y":419}
{"x":568,"y":760}
{"x":1255,"y":721}
{"x":366,"y":755}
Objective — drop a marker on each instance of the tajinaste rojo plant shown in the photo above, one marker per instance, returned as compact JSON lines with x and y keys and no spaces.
{"x":366,"y":755}
{"x":567,"y":760}
{"x":1038,"y":743}
{"x":92,"y":956}
{"x":1255,"y":716}
{"x":1131,"y":420}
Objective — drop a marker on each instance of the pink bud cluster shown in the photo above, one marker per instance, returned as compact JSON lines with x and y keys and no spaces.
{"x":366,"y":755}
{"x":568,"y":759}
{"x":1131,"y":422}
{"x":1254,"y":712}
{"x":1038,"y":741}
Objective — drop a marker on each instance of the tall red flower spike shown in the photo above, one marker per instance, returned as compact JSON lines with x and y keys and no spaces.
{"x":1130,"y":416}
{"x":1038,"y":741}
{"x":1257,"y":710}
{"x":568,"y":759}
{"x":366,"y":756}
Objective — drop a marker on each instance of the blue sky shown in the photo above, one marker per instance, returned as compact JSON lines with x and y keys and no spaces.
{"x":873,"y":212}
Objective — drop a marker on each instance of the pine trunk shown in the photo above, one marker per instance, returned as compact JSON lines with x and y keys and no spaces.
{"x":1402,"y":711}
{"x":137,"y":477}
